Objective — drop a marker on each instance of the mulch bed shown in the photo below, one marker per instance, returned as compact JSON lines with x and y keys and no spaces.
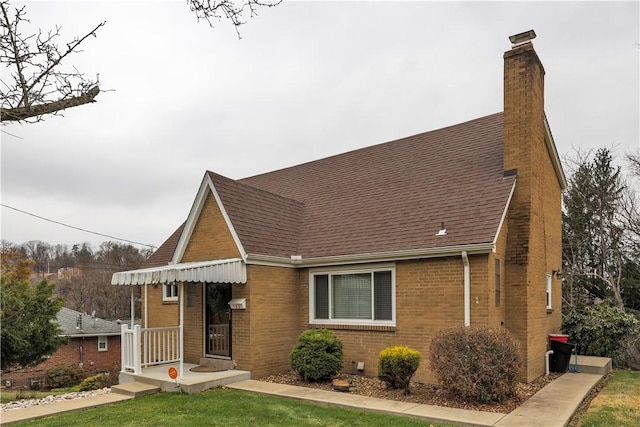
{"x":421,"y":393}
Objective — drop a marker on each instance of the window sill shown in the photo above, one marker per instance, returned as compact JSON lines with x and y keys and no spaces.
{"x":379,"y":328}
{"x":549,"y":310}
{"x":170,"y":302}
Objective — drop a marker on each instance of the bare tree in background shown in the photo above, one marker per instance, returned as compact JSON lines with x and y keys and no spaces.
{"x":35,"y":82}
{"x":234,"y":10}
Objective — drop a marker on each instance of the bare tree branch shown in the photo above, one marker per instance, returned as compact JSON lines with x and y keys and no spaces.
{"x":24,"y":113}
{"x":215,"y":10}
{"x":34,"y":83}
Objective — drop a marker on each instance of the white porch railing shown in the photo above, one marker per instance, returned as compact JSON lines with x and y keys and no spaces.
{"x":142,"y":347}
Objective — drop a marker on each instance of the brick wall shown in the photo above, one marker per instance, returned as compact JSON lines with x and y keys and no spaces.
{"x":265,"y":333}
{"x":534,"y":236}
{"x":211,"y":239}
{"x":429,"y":298}
{"x":193,"y":323}
{"x":94,"y":361}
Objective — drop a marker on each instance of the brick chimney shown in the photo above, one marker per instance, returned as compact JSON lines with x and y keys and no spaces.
{"x":533,"y":220}
{"x":523,"y":105}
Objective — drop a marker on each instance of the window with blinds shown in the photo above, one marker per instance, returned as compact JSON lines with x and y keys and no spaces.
{"x":352,"y":297}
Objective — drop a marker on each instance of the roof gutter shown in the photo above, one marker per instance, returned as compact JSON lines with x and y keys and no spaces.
{"x":92,"y":335}
{"x":439,"y":252}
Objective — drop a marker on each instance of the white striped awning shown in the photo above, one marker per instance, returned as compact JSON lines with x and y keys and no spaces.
{"x":218,"y":271}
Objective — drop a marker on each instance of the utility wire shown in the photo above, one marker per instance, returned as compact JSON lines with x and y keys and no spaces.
{"x":76,"y":228}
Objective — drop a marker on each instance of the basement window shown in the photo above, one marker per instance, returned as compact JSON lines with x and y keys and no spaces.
{"x":353,"y":297}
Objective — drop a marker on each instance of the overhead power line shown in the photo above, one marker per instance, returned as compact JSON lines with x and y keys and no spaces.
{"x":76,"y":228}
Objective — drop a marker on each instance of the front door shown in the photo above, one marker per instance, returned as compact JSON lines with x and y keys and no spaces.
{"x":218,"y":319}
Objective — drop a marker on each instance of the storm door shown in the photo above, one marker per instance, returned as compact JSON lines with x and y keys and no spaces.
{"x":217,"y":319}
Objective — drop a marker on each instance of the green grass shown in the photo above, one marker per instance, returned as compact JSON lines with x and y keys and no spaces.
{"x":222,"y":407}
{"x":617,"y":404}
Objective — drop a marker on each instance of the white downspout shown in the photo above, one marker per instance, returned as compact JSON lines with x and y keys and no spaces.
{"x":181,"y":330}
{"x":467,"y":290}
{"x":546,"y":360}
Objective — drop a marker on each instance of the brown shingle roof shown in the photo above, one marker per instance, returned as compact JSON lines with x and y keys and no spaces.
{"x":387,"y":197}
{"x":394,"y":196}
{"x":266,"y":223}
{"x":162,"y":256}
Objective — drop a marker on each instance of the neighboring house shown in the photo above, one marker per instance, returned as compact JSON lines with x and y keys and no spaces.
{"x":385,"y":245}
{"x":94,"y":345}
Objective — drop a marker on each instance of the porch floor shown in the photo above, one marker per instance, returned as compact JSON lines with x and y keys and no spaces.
{"x":191,"y":382}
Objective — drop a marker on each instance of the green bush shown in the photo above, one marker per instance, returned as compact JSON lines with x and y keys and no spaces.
{"x":396,"y":366}
{"x":64,"y":375}
{"x":600,"y":330}
{"x":477,"y":363}
{"x":95,"y":382}
{"x":317,"y":356}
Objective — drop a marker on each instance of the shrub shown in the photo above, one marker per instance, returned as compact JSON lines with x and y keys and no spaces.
{"x":477,"y":363}
{"x":600,"y":330}
{"x":396,"y":366}
{"x":95,"y":382}
{"x":317,"y":356}
{"x":26,"y":394}
{"x":64,"y":375}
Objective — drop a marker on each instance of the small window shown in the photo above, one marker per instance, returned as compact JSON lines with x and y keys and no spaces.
{"x":352,"y":297}
{"x":170,"y":292}
{"x":103,"y":343}
{"x":549,"y":288}
{"x":497,"y":278}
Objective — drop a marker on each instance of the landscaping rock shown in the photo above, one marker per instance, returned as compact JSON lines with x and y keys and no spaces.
{"x":25,"y":403}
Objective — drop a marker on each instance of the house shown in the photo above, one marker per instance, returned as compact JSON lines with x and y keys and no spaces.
{"x":385,"y":245}
{"x":94,"y":344}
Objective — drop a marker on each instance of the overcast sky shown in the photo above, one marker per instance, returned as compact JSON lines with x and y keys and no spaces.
{"x":307,"y":80}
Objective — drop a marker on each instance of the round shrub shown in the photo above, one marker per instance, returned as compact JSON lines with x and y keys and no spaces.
{"x":600,"y":330}
{"x":477,"y":363}
{"x":317,"y":356}
{"x":64,"y":375}
{"x":95,"y":382}
{"x":396,"y":366}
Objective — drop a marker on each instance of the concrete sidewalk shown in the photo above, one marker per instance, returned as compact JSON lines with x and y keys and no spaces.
{"x":552,"y":406}
{"x":57,"y":408}
{"x":555,"y":404}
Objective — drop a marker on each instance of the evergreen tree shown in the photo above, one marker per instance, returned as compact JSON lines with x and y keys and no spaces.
{"x":594,"y":251}
{"x":27,"y":313}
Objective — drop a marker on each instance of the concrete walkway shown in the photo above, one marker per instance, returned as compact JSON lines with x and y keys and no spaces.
{"x":57,"y":408}
{"x":552,"y":406}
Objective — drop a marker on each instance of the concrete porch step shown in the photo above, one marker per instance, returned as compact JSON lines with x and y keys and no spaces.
{"x":213,"y":362}
{"x":135,"y":389}
{"x":592,"y":364}
{"x":190,"y":382}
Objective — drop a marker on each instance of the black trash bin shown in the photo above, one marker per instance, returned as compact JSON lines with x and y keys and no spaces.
{"x":559,"y":360}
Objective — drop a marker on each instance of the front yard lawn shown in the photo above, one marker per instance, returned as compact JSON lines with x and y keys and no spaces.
{"x":222,"y":407}
{"x":617,"y":404}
